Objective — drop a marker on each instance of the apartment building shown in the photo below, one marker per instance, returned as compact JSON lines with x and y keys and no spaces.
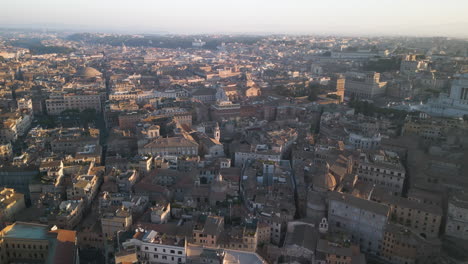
{"x":34,"y":243}
{"x":111,"y":223}
{"x":365,"y":220}
{"x":56,"y":104}
{"x":155,"y":247}
{"x":457,"y":216}
{"x":84,"y":187}
{"x":402,"y":246}
{"x":207,"y":230}
{"x":423,"y":219}
{"x":173,"y":146}
{"x":365,"y":86}
{"x":11,"y":203}
{"x":71,"y":140}
{"x":384,"y":169}
{"x":13,"y":125}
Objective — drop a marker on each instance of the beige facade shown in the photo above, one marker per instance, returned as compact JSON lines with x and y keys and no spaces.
{"x":335,"y":253}
{"x":240,"y":238}
{"x":111,"y":223}
{"x":366,"y":88}
{"x":56,"y":104}
{"x":160,"y":214}
{"x":14,"y":248}
{"x":401,"y":246}
{"x":84,"y":187}
{"x":207,"y":232}
{"x":423,"y":219}
{"x":13,"y":125}
{"x":74,"y":139}
{"x":11,"y":203}
{"x":34,"y":243}
{"x":68,"y":215}
{"x":6,"y":151}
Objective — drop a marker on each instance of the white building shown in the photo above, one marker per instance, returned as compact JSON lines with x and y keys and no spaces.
{"x":457,"y":216}
{"x":364,"y":86}
{"x":153,"y":247}
{"x":359,"y":54}
{"x":358,"y":141}
{"x":242,"y":156}
{"x":198,"y":43}
{"x":454,"y":104}
{"x":13,"y":125}
{"x":160,"y":213}
{"x":25,"y":104}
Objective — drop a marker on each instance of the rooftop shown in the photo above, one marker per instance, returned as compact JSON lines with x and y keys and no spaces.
{"x":359,"y":203}
{"x":26,"y":231}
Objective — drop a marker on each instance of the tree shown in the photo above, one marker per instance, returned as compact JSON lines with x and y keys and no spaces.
{"x":46,"y":121}
{"x":88,"y":116}
{"x":383,"y":65}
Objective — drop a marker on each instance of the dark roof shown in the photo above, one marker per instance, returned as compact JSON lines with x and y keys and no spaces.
{"x":303,"y":235}
{"x":213,"y":225}
{"x":204,"y":91}
{"x":359,"y":202}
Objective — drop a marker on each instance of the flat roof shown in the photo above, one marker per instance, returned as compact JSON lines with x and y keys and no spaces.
{"x":26,"y":231}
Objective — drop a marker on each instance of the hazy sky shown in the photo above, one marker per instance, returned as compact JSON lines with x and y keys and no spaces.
{"x":401,"y":17}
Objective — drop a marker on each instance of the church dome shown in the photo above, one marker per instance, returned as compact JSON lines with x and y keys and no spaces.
{"x":88,"y":73}
{"x":324,"y":181}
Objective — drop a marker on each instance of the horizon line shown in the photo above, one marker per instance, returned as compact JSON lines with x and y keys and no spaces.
{"x":80,"y":29}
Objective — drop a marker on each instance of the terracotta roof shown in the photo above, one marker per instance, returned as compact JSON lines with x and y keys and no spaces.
{"x":65,"y":249}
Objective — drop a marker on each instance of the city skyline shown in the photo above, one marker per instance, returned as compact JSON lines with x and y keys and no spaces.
{"x":248,"y":132}
{"x":401,"y":18}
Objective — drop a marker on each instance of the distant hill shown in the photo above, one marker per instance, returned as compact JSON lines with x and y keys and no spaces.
{"x":36,"y":48}
{"x":161,"y":41}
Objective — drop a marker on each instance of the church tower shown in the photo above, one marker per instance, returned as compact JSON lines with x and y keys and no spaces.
{"x":217,"y":132}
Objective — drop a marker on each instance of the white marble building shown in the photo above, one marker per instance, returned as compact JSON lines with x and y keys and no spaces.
{"x":454,"y":104}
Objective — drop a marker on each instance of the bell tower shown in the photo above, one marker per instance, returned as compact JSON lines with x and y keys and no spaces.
{"x":217,"y":132}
